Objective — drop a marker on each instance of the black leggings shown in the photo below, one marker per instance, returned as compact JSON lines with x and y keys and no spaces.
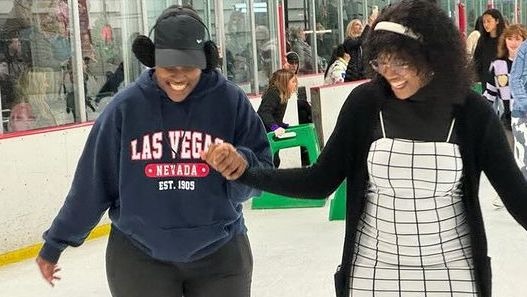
{"x":132,"y":273}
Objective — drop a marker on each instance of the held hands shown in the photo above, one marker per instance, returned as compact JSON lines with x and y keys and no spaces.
{"x":48,"y":270}
{"x":225,"y":159}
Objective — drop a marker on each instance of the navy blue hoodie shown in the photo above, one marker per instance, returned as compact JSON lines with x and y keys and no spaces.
{"x":141,"y":161}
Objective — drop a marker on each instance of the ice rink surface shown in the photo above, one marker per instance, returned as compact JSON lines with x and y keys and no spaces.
{"x":295,"y":254}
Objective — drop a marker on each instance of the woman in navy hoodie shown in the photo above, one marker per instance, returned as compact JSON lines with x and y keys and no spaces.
{"x":176,"y":222}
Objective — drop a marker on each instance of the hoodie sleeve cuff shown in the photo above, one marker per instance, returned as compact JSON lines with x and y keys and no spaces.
{"x":50,"y":253}
{"x":246,"y":154}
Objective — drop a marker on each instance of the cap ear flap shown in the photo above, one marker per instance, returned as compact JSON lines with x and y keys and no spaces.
{"x":211,"y":54}
{"x":144,"y":50}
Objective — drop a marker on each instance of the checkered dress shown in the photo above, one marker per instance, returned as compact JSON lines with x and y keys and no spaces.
{"x":413,"y":237}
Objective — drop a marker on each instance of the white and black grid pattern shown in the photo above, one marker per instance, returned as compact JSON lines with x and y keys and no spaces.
{"x":413,"y":236}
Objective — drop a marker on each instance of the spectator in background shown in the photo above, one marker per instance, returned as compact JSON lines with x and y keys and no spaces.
{"x":497,"y":89}
{"x":302,"y":103}
{"x":17,"y":23}
{"x":12,"y":50}
{"x":337,"y":66}
{"x":292,"y":62}
{"x":487,"y":47}
{"x":21,"y":118}
{"x":48,"y":48}
{"x":8,"y":91}
{"x":518,"y":83}
{"x":33,"y":85}
{"x":355,"y":36}
{"x":282,"y":85}
{"x":303,"y":49}
{"x":473,"y":37}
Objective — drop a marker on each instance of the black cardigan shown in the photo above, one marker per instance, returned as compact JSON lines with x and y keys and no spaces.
{"x":483,"y":147}
{"x":272,"y":110}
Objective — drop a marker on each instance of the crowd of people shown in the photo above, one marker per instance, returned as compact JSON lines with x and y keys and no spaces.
{"x":35,"y":42}
{"x":35,"y":50}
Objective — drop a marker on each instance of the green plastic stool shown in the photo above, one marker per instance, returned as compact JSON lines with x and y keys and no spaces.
{"x":337,"y":209}
{"x":305,"y":137}
{"x":477,"y":88}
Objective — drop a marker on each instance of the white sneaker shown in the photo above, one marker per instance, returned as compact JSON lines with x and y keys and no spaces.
{"x":497,"y":203}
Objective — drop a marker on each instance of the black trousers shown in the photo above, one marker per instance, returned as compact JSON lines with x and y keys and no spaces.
{"x":132,"y":273}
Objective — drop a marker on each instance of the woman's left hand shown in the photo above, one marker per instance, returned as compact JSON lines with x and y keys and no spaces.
{"x":225,"y":159}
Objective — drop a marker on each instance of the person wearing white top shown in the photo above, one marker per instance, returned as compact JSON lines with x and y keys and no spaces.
{"x":336,"y":71}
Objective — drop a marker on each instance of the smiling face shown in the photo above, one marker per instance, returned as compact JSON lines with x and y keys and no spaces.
{"x":404,"y":79}
{"x":178,"y":82}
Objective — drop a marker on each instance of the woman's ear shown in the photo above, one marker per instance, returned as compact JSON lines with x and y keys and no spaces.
{"x":144,"y":50}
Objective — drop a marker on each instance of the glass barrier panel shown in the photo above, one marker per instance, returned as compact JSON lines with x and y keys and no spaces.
{"x":35,"y":65}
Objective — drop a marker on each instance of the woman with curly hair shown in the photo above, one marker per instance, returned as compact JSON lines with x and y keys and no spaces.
{"x":412,"y":144}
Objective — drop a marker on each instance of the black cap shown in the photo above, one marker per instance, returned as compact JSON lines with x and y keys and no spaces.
{"x":179,"y":40}
{"x":292,"y":57}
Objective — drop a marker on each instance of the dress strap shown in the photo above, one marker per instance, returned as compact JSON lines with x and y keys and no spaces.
{"x":382,"y":124}
{"x":451,"y":129}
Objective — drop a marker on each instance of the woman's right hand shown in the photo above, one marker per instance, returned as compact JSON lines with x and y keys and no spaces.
{"x":279,"y":132}
{"x":48,"y":270}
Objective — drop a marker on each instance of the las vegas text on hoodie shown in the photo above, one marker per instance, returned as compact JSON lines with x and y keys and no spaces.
{"x":141,"y":162}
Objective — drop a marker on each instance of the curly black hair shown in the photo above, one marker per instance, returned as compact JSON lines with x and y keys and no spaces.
{"x":438,"y":53}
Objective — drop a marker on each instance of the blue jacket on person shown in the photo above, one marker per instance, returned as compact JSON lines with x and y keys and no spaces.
{"x":142,"y":162}
{"x":518,"y":83}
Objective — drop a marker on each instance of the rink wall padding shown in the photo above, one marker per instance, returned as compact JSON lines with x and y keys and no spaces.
{"x":326,"y":102}
{"x":37,"y":169}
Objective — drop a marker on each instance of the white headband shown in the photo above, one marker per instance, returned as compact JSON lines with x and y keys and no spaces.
{"x":397,"y":28}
